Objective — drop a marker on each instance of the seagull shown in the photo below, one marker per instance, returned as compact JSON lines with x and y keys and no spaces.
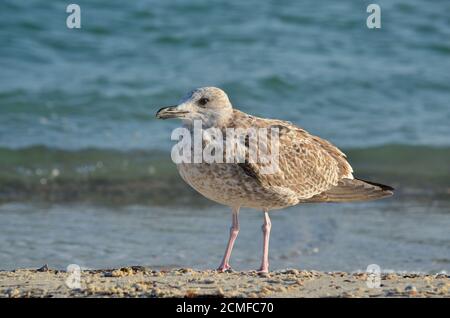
{"x":310,"y":168}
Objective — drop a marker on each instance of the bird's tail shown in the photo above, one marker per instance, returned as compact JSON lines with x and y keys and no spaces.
{"x":349,"y":190}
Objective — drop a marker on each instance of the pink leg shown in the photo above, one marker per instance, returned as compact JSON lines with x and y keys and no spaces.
{"x":234,"y":231}
{"x":266,"y":235}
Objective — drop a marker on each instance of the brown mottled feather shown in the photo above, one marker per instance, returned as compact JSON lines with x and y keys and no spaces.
{"x":310,"y":170}
{"x":308,"y":165}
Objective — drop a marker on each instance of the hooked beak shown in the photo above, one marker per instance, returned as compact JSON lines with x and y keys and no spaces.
{"x":170,"y":112}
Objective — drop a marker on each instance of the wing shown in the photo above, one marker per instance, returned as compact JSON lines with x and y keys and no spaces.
{"x":307,"y":164}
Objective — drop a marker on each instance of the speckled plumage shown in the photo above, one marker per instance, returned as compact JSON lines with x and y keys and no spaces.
{"x":308,"y":166}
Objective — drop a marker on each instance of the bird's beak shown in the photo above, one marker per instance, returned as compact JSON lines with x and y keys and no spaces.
{"x":171,"y":112}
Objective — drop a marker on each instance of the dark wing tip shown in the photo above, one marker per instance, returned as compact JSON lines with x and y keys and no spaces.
{"x":382,"y":186}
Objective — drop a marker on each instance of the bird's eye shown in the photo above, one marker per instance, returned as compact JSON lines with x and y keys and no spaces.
{"x":203,"y":101}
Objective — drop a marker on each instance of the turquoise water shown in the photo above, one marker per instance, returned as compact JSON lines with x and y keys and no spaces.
{"x":313,"y":63}
{"x":79,"y":141}
{"x":397,"y":236}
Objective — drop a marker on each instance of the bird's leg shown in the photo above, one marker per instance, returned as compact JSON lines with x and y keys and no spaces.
{"x":266,"y":235}
{"x":234,"y":231}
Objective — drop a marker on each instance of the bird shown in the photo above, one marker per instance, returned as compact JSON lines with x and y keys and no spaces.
{"x":310,"y":169}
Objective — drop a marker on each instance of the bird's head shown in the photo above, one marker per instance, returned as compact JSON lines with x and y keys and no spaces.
{"x":208,"y":104}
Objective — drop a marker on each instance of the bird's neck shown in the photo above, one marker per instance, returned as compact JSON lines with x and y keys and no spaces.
{"x":215,"y":120}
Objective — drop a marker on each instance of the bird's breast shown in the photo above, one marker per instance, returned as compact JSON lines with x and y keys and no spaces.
{"x":227,"y":184}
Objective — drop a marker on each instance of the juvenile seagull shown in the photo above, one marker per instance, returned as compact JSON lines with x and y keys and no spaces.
{"x":311,"y":169}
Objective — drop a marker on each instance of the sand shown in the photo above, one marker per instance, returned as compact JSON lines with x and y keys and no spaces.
{"x":146,"y":282}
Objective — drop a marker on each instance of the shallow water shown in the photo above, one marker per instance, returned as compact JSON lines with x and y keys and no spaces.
{"x":400,"y":236}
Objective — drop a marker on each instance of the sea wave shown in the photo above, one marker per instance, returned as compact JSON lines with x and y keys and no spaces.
{"x":149,"y":176}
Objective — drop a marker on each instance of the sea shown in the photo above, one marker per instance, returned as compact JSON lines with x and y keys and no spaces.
{"x":85,"y":170}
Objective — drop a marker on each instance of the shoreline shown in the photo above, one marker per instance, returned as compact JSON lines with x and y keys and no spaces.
{"x":137,"y":281}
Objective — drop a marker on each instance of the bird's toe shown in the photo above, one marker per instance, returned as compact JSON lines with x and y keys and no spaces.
{"x":225,"y":269}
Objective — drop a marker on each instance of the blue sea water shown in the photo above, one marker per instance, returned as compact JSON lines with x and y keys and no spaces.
{"x":313,"y":63}
{"x":77,"y":127}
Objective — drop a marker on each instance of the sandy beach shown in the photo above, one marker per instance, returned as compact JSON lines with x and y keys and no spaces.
{"x":145,"y":282}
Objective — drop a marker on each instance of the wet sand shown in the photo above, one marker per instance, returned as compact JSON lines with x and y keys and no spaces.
{"x":146,"y":282}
